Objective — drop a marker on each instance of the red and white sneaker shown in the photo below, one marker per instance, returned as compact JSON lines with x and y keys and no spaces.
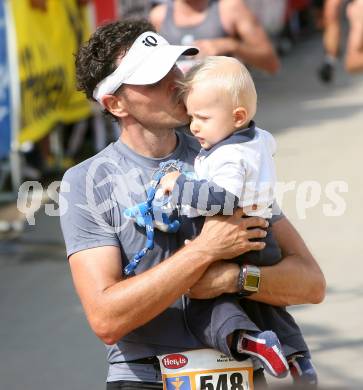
{"x":267,"y":348}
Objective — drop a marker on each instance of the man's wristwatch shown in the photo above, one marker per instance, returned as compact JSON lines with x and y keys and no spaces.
{"x":248,"y":280}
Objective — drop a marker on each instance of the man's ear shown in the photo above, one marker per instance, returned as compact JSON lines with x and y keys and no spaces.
{"x":240,"y":116}
{"x":114,"y":104}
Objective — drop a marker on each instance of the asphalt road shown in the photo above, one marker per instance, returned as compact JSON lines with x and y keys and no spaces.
{"x":45,"y":340}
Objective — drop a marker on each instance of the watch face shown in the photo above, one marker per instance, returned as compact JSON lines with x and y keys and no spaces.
{"x":252,"y":282}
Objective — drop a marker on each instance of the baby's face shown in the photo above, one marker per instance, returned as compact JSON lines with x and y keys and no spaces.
{"x":211,"y":113}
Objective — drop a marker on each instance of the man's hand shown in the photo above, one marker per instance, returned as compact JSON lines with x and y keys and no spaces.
{"x":168,"y":181}
{"x":229,"y":237}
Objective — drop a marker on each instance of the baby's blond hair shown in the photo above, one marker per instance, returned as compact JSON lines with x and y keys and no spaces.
{"x":226,"y":73}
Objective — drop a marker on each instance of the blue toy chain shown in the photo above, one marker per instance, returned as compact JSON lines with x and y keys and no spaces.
{"x":146,"y":214}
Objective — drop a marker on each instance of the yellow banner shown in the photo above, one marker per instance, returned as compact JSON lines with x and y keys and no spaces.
{"x":47,"y":40}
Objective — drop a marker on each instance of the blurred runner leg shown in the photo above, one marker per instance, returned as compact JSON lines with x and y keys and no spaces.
{"x":331,"y":39}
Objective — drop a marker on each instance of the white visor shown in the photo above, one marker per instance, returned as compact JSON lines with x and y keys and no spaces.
{"x":149,"y":59}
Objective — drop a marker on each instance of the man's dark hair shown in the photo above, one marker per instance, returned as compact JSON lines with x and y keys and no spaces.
{"x":96,"y":58}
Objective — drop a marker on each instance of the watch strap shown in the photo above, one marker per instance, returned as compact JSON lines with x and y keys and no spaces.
{"x":240,"y":283}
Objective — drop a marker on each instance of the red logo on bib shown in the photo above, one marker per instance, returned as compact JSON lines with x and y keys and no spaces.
{"x":176,"y":360}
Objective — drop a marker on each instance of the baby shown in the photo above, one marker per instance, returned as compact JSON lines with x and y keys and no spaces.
{"x":235,"y":168}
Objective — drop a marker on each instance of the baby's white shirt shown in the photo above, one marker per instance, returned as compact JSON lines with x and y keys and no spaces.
{"x":244,"y":169}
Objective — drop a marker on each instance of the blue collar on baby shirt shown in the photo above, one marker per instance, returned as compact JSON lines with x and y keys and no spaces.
{"x":245,"y":134}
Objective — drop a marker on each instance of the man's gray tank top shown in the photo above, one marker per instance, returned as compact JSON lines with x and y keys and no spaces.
{"x":210,"y":28}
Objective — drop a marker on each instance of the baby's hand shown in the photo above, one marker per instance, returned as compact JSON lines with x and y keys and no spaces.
{"x":168,"y":181}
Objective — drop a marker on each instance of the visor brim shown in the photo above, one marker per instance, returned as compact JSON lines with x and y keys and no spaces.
{"x":158,"y":64}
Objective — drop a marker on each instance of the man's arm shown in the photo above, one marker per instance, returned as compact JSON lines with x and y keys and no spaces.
{"x":297,"y":279}
{"x":247,"y":42}
{"x":254,"y":47}
{"x":115,"y":306}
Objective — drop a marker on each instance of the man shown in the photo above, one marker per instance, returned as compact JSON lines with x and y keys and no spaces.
{"x":130,"y":71}
{"x":217,"y":27}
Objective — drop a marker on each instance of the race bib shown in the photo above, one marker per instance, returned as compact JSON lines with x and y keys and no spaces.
{"x":205,"y":369}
